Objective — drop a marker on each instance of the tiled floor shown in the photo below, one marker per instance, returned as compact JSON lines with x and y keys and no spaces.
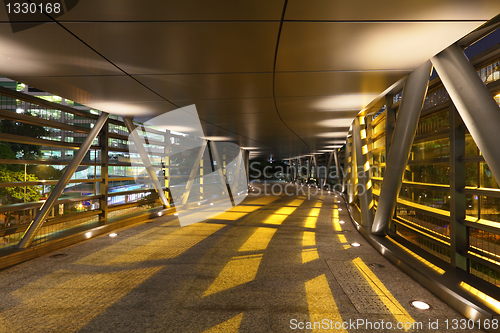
{"x":271,"y":264}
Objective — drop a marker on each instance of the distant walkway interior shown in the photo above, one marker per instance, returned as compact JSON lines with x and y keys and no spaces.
{"x":275,"y":263}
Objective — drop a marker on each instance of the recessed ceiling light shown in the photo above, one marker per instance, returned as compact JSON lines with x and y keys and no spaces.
{"x":339,"y":209}
{"x":355,"y":244}
{"x":420,"y":305}
{"x":341,"y":222}
{"x":113,"y":234}
{"x":176,"y":214}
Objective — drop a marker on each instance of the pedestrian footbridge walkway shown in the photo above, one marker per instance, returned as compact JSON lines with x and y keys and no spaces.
{"x":275,"y":263}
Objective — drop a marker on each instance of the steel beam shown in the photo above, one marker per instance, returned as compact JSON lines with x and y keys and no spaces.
{"x":404,"y":132}
{"x":473,"y":101}
{"x":347,"y":154}
{"x":104,"y":184}
{"x":390,"y":120}
{"x":458,"y":231}
{"x":134,"y":136}
{"x":47,"y":206}
{"x":365,"y":193}
{"x":336,"y":157}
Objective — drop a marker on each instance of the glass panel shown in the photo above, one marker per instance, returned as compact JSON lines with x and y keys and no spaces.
{"x":431,"y":149}
{"x":422,"y":242}
{"x":434,"y":122}
{"x":470,"y":146}
{"x":486,"y":177}
{"x":490,"y":209}
{"x":429,"y":173}
{"x":437,"y":225}
{"x":471,"y":174}
{"x":431,"y":198}
{"x":472,"y":205}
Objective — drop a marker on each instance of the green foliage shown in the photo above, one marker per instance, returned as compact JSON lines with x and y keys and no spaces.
{"x":46,"y":172}
{"x":25,"y":151}
{"x":10,"y":195}
{"x":6,"y":153}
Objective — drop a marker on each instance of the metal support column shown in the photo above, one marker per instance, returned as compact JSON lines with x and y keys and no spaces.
{"x":390,"y":121}
{"x":309,"y":168}
{"x":145,"y":160}
{"x":347,"y":155}
{"x":166,"y":166}
{"x":47,"y":206}
{"x":404,"y":132}
{"x":299,"y":163}
{"x":246,"y":158}
{"x":362,"y":170}
{"x":353,"y":174}
{"x":328,"y":165}
{"x":473,"y":101}
{"x":220,"y":170}
{"x":336,"y":157}
{"x":458,"y":231}
{"x":316,"y":168}
{"x":104,"y":184}
{"x":193,"y":173}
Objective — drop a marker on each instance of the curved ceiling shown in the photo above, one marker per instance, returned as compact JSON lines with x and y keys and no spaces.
{"x":282,"y":78}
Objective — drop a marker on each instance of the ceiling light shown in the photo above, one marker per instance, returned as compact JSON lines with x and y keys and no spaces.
{"x":176,"y":214}
{"x":341,"y":222}
{"x":332,"y":135}
{"x":113,"y":234}
{"x":88,"y":234}
{"x":355,"y":244}
{"x":420,"y":305}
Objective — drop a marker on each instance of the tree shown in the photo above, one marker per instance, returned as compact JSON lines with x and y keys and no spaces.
{"x":10,"y":195}
{"x":25,"y":151}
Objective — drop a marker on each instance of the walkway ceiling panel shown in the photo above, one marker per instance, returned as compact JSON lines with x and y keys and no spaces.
{"x":393,"y":10}
{"x":217,"y":108}
{"x":174,"y":10}
{"x":296,"y":84}
{"x":92,"y":90}
{"x":365,"y":46}
{"x":210,"y":86}
{"x":139,"y":58}
{"x":47,"y":50}
{"x":183,"y":47}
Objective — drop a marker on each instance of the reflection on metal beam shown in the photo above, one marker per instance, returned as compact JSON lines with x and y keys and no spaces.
{"x":473,"y":101}
{"x":406,"y":126}
{"x":364,"y":185}
{"x":145,"y":160}
{"x":40,"y":217}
